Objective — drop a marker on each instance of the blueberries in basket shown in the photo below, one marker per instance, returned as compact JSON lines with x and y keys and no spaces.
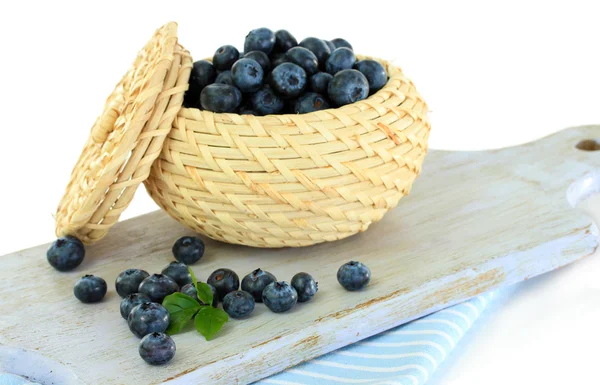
{"x":340,"y":59}
{"x":238,"y":304}
{"x":157,"y":348}
{"x":374,"y":72}
{"x":310,"y":102}
{"x":305,"y":286}
{"x":224,"y":77}
{"x":319,"y":48}
{"x":279,"y":297}
{"x":131,"y":301}
{"x":247,"y":75}
{"x":331,"y":46}
{"x":225,"y":281}
{"x":220,"y":98}
{"x":66,"y":253}
{"x":288,"y":79}
{"x":90,"y":289}
{"x":255,"y":282}
{"x":179,"y":272}
{"x":203,"y":73}
{"x":277,"y":59}
{"x":319,"y":82}
{"x":261,"y":58}
{"x":348,"y":86}
{"x":354,"y":276}
{"x":147,"y":318}
{"x":260,"y":39}
{"x":339,"y":42}
{"x":246,"y":109}
{"x":265,"y":102}
{"x":190,"y":290}
{"x":304,"y":58}
{"x":284,"y":41}
{"x":157,"y":287}
{"x":224,"y":57}
{"x":129,"y":281}
{"x":188,"y":250}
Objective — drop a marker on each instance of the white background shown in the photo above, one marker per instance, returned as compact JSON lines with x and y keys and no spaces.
{"x":494,"y":74}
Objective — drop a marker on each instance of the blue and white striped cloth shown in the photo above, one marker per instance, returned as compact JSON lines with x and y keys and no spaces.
{"x":406,"y":355}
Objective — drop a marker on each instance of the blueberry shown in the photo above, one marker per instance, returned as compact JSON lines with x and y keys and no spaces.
{"x":224,"y":77}
{"x":310,"y":102}
{"x":261,"y":58}
{"x":279,"y":297}
{"x":203,"y":73}
{"x":354,"y":276}
{"x":348,"y":86}
{"x":246,"y":109}
{"x":224,"y":57}
{"x":284,"y":41}
{"x":66,"y":253}
{"x":339,"y":42}
{"x":330,"y":45}
{"x":340,"y":59}
{"x":147,"y":318}
{"x":129,"y":281}
{"x":238,"y":304}
{"x":255,"y":282}
{"x":90,"y":289}
{"x":304,"y":58}
{"x":178,"y":271}
{"x":318,"y":47}
{"x":247,"y":75}
{"x":288,"y":79}
{"x":277,"y":59}
{"x":225,"y":281}
{"x":319,"y":82}
{"x":220,"y":98}
{"x":157,"y":287}
{"x":190,"y":290}
{"x":261,"y":39}
{"x":374,"y":72}
{"x":188,"y":250}
{"x":265,"y":102}
{"x":131,"y":301}
{"x":305,"y":286}
{"x":157,"y":348}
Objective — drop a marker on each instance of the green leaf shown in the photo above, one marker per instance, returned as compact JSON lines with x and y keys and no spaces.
{"x":205,"y":294}
{"x":194,"y":280}
{"x":179,"y":301}
{"x":179,"y":319}
{"x":209,"y":321}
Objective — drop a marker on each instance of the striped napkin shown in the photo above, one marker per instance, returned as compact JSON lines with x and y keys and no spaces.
{"x":406,"y":355}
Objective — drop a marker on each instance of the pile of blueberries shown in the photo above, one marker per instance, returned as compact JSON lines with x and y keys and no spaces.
{"x":276,"y":75}
{"x":143,"y":293}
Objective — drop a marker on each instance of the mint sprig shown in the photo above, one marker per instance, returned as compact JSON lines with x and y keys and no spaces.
{"x":204,"y":292}
{"x":209,"y":321}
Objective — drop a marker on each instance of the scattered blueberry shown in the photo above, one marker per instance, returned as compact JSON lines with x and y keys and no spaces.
{"x":247,"y":75}
{"x":188,"y":250}
{"x":203,"y":73}
{"x":238,"y":304}
{"x":374,"y":72}
{"x":288,"y":79}
{"x":129,"y":281}
{"x":255,"y":282}
{"x":354,"y":276}
{"x":157,"y":287}
{"x":277,"y":59}
{"x":220,"y":98}
{"x":131,"y":301}
{"x":261,"y":39}
{"x":266,"y":102}
{"x":279,"y":297}
{"x":310,"y":102}
{"x":261,"y":58}
{"x":340,"y":59}
{"x":331,"y":46}
{"x":190,"y":290}
{"x":224,"y":77}
{"x":319,"y":82}
{"x":339,"y":42}
{"x":147,"y":318}
{"x":66,"y":253}
{"x":225,"y":281}
{"x":224,"y":57}
{"x":157,"y":348}
{"x":305,"y":286}
{"x":284,"y":41}
{"x":90,"y":289}
{"x":179,"y":272}
{"x":304,"y":58}
{"x":318,"y":47}
{"x":348,"y":86}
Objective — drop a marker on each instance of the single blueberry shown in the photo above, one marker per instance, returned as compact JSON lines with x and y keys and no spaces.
{"x":190,"y":290}
{"x":157,"y":287}
{"x":66,"y":253}
{"x":310,"y":102}
{"x":319,"y":82}
{"x":129,"y":281}
{"x":179,"y":272}
{"x":305,"y":286}
{"x":277,"y":59}
{"x":246,"y":109}
{"x":319,"y":48}
{"x":188,"y":250}
{"x":266,"y":102}
{"x":157,"y":348}
{"x":374,"y":72}
{"x":261,"y":58}
{"x":304,"y":58}
{"x":288,"y":80}
{"x":348,"y":86}
{"x":131,"y":301}
{"x":247,"y":75}
{"x":339,"y":60}
{"x":339,"y":42}
{"x":261,"y":39}
{"x":238,"y":304}
{"x":255,"y":282}
{"x":354,"y":276}
{"x":203,"y":73}
{"x":147,"y":318}
{"x":279,"y":297}
{"x":224,"y":57}
{"x":90,"y":289}
{"x":224,"y":77}
{"x":220,"y":98}
{"x":331,"y":46}
{"x":225,"y":281}
{"x":284,"y":41}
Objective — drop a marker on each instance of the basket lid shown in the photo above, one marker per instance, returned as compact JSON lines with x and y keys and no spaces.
{"x":126,"y":138}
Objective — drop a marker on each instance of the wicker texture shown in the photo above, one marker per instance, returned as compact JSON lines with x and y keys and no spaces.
{"x":126,"y":138}
{"x":293,"y":180}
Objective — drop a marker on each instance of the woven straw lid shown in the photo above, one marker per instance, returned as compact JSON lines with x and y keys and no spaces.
{"x":126,"y":138}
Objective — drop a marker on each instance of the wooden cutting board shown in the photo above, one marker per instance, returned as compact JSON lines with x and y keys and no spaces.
{"x":474,"y":221}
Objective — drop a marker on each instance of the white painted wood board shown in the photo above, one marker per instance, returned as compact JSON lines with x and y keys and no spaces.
{"x":474,"y":221}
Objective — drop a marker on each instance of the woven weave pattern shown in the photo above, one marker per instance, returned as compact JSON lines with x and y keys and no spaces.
{"x":293,"y":180}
